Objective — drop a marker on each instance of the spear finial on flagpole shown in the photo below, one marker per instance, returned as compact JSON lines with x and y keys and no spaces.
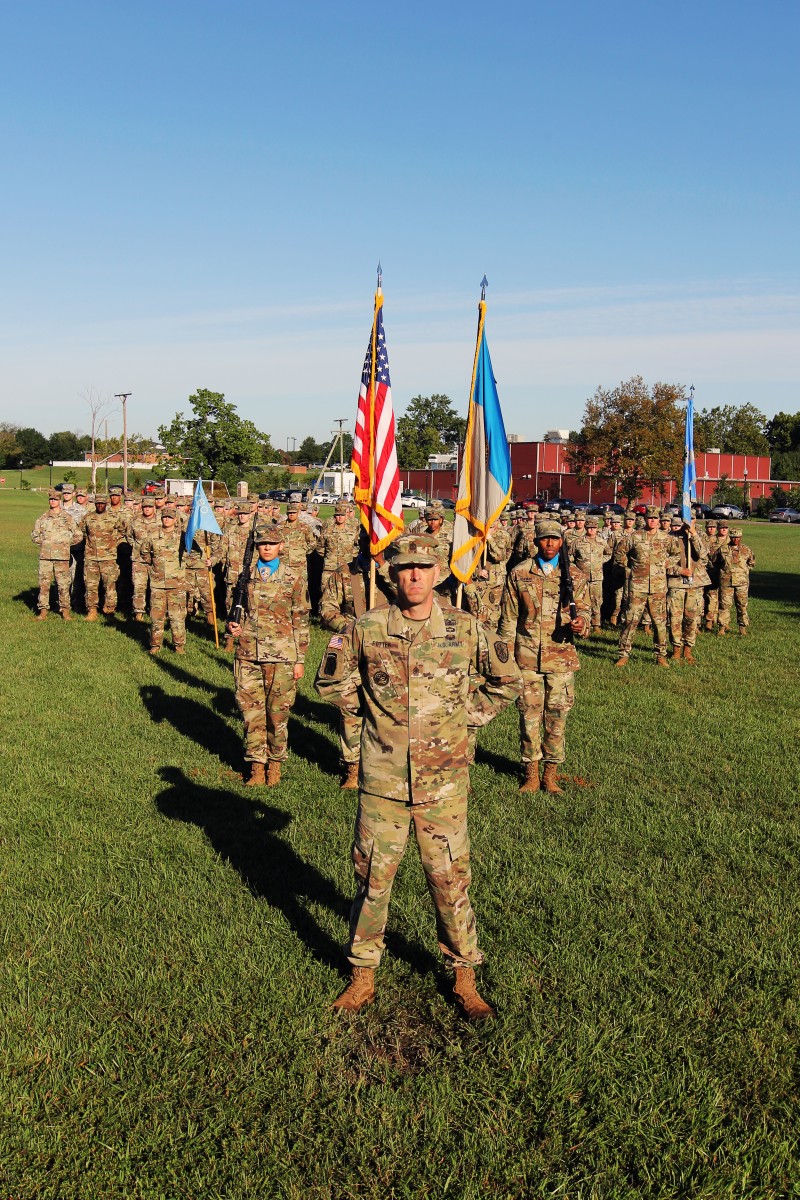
{"x":484,"y":285}
{"x":380,"y":277}
{"x":691,"y":391}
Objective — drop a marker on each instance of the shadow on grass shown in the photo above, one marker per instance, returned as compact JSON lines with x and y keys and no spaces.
{"x":29,"y":597}
{"x":244,"y":832}
{"x":782,"y":587}
{"x":195,"y":721}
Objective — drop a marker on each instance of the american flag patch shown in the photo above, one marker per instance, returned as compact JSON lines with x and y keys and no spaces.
{"x":336,"y":642}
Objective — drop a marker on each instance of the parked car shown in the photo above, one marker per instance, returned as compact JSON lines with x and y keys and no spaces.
{"x":640,"y":509}
{"x":409,"y":500}
{"x":789,"y":515}
{"x":598,"y":510}
{"x":731,"y":511}
{"x":150,"y":487}
{"x":448,"y":504}
{"x":702,"y":511}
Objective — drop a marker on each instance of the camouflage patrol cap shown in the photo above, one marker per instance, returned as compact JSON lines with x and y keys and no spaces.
{"x":148,"y":502}
{"x":723,"y":523}
{"x":101,"y":498}
{"x":414,"y":550}
{"x":81,"y":491}
{"x":653,"y":510}
{"x":580,"y":514}
{"x":341,"y":509}
{"x":158,"y":494}
{"x":629,"y":515}
{"x":53,"y":494}
{"x":676,"y":519}
{"x":244,"y":506}
{"x":734,"y":531}
{"x":267,"y":535}
{"x":67,"y":487}
{"x":615,"y":518}
{"x":293,"y":507}
{"x":129,"y":495}
{"x":169,"y":510}
{"x":592,"y":522}
{"x":712,"y":524}
{"x":436,"y":512}
{"x":219,"y":504}
{"x":115,"y":490}
{"x":548,"y":527}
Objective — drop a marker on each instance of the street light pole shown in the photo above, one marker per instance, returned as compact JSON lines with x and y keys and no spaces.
{"x":123,"y":396}
{"x":51,"y":472}
{"x":20,"y":474}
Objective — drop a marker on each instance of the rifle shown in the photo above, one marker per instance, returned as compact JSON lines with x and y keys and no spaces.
{"x":238,"y":604}
{"x":567,"y":588}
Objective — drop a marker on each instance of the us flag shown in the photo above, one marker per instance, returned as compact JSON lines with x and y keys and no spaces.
{"x":374,"y":462}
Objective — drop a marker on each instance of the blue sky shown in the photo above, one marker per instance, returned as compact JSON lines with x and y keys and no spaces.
{"x":197,"y":195}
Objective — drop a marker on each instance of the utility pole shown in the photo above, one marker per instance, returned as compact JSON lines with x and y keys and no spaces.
{"x":341,"y":422}
{"x":106,"y":450}
{"x":123,"y":396}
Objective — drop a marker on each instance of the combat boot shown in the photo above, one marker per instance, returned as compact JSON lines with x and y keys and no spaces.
{"x":91,"y":614}
{"x":138,"y":616}
{"x":661,"y":661}
{"x":722,"y":631}
{"x":273,"y":772}
{"x":180,"y":649}
{"x":66,"y":614}
{"x":677,"y":652}
{"x":612,"y":620}
{"x":256,"y":775}
{"x":359,"y":991}
{"x":742,"y":631}
{"x":155,"y":649}
{"x":709,"y":626}
{"x":622,"y":661}
{"x":531,"y":781}
{"x":228,"y":643}
{"x":688,"y":656}
{"x":549,"y":778}
{"x":350,"y":777}
{"x":596,"y":629}
{"x":41,"y":615}
{"x":468,"y":998}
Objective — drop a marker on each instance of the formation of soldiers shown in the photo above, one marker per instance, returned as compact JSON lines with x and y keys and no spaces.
{"x":415,"y":662}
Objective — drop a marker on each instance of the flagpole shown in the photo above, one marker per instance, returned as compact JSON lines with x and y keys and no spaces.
{"x":211,"y":592}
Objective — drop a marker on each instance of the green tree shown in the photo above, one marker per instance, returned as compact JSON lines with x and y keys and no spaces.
{"x":430,"y":425}
{"x":310,"y":451}
{"x":631,"y":434}
{"x":783,"y":432}
{"x":34,"y":447}
{"x":65,"y":446}
{"x":10,"y":448}
{"x":734,"y":429}
{"x":214,"y":442}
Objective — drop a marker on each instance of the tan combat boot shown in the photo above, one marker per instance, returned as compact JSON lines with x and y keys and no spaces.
{"x":155,"y":649}
{"x":722,"y":631}
{"x":661,"y":661}
{"x":138,"y":616}
{"x":180,"y":649}
{"x":612,"y":620}
{"x":256,"y":778}
{"x":91,"y":614}
{"x":742,"y":631}
{"x":622,"y":661}
{"x":549,"y":778}
{"x":66,"y":614}
{"x":709,"y":626}
{"x":41,"y":615}
{"x":688,"y":656}
{"x":273,"y":772}
{"x":359,"y":992}
{"x":677,"y":652}
{"x":531,"y":781}
{"x":350,"y":777}
{"x":468,"y":998}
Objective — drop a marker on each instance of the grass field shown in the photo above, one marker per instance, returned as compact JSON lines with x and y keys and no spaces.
{"x":171,"y":942}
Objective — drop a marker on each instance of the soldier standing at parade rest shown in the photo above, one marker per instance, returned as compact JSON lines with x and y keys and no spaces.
{"x":421,"y":672}
{"x":646,"y":554}
{"x":734,"y":563}
{"x":231,"y":554}
{"x":141,"y":529}
{"x":336,"y":541}
{"x":589,"y":556}
{"x":163,"y":552}
{"x":483,"y":593}
{"x":55,"y":533}
{"x":614,"y":576}
{"x":715,"y":538}
{"x":534,"y":614}
{"x":298,"y":536}
{"x":103,"y":535}
{"x":345,"y":599}
{"x":270,"y":652}
{"x":687,"y":578}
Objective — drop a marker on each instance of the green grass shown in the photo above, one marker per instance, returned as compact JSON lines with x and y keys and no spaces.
{"x":171,"y":943}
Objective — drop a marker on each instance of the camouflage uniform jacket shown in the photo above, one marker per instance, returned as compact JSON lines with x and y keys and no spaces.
{"x":698,"y":546}
{"x":103,"y":534}
{"x":418,"y":692}
{"x":124,"y":519}
{"x":647,"y":555}
{"x":524,"y":545}
{"x":196,"y":557}
{"x":275,"y":628}
{"x":55,"y":533}
{"x":589,"y":557}
{"x":163,"y":550}
{"x":142,"y":529}
{"x":734,"y":564}
{"x":231,"y":551}
{"x":335,"y":544}
{"x":346,"y":596}
{"x":532,"y":614}
{"x":498,"y":548}
{"x":77,"y":511}
{"x":299,"y":540}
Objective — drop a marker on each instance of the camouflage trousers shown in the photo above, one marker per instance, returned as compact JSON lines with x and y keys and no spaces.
{"x":729,"y":592}
{"x":712,"y":603}
{"x":543,"y":708}
{"x":653,"y":604}
{"x":50,"y":569}
{"x":197,"y":589}
{"x":595,"y":590}
{"x":350,"y":737}
{"x":167,"y":602}
{"x":141,"y":578}
{"x":265,"y":694}
{"x":684,"y":612}
{"x":379,"y":843}
{"x":93,"y":571}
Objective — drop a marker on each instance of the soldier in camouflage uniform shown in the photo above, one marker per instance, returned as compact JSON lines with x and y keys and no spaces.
{"x":103,"y":534}
{"x":197,"y":563}
{"x":270,"y":652}
{"x":524,"y":540}
{"x":687,"y":577}
{"x":231,"y":553}
{"x":646,"y":554}
{"x":163,"y":551}
{"x":590,"y":555}
{"x":734,"y":563}
{"x":336,"y":541}
{"x":55,"y":533}
{"x":434,"y":509}
{"x":483,"y":593}
{"x":298,"y":537}
{"x":715,"y":539}
{"x":534,"y":616}
{"x":577,"y":532}
{"x":345,"y":599}
{"x":614,"y":576}
{"x":421,"y":672}
{"x":142,"y":528}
